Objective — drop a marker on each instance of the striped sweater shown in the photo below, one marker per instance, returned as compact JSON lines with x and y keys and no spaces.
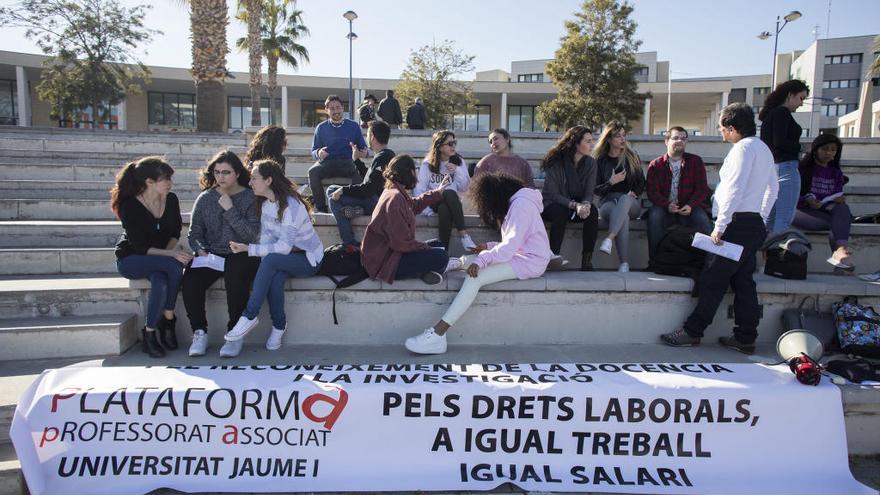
{"x":293,"y":232}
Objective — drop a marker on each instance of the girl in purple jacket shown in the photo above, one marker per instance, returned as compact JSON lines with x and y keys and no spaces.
{"x":505,"y":203}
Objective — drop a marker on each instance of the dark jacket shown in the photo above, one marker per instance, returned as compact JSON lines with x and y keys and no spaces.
{"x":416,"y":116}
{"x":373,"y":182}
{"x":142,"y":231}
{"x":693,"y":188}
{"x":389,"y":111}
{"x":781,"y":134}
{"x":366,"y":114}
{"x":556,"y":185}
{"x":634,"y":182}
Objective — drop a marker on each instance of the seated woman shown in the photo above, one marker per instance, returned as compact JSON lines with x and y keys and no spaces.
{"x":442,"y":162}
{"x":502,"y":159}
{"x":390,"y":250}
{"x":822,"y":204}
{"x":621,"y":182}
{"x":569,"y":180}
{"x":225,"y":211}
{"x":151,"y":223}
{"x":505,"y":203}
{"x":269,"y":143}
{"x":288,"y":244}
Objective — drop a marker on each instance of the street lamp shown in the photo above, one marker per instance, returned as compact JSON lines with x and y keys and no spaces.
{"x":836,"y":99}
{"x":790,"y":17}
{"x":351,"y":16}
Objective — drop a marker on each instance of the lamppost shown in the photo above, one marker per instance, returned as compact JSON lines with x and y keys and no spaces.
{"x":351,"y":16}
{"x":790,"y":17}
{"x":836,"y":99}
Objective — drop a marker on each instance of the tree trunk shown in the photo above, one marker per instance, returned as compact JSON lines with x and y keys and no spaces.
{"x":210,"y":106}
{"x":208,"y":21}
{"x":271,"y":85}
{"x":255,"y":55}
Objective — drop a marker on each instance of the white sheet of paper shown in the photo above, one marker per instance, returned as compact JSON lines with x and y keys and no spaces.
{"x":831,"y":197}
{"x":211,"y":261}
{"x":726,"y":249}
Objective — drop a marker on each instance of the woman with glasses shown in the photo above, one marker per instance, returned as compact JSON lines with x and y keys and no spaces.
{"x":225,"y":211}
{"x":442,"y":161}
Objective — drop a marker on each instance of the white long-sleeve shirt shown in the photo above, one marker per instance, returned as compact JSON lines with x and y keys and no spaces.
{"x":748,"y":182}
{"x":428,"y":180}
{"x":295,"y":230}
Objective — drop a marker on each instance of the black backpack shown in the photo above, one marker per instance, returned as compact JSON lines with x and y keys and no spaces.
{"x":342,"y":265}
{"x":785,"y":264}
{"x":675,"y":255}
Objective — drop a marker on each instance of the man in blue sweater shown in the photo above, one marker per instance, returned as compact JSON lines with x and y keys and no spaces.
{"x":331,"y":147}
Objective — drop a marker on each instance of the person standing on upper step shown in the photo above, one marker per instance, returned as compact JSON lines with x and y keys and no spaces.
{"x":678,"y":189}
{"x":742,"y":203}
{"x":288,"y":246}
{"x":389,"y":110}
{"x":505,"y":203}
{"x":502,"y":159}
{"x":621,"y":182}
{"x":782,"y":134}
{"x":569,"y":181}
{"x":151,"y":223}
{"x":225,"y":211}
{"x":441,"y":162}
{"x":347,"y":202}
{"x":367,"y":111}
{"x":416,"y":115}
{"x":269,"y":143}
{"x":331,"y":147}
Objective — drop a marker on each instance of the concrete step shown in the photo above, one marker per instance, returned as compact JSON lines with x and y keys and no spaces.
{"x":43,"y":234}
{"x":70,"y":189}
{"x":63,"y":209}
{"x":66,"y":336}
{"x":72,"y":295}
{"x":41,"y":261}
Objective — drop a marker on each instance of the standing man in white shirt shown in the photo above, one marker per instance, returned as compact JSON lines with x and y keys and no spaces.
{"x":742,"y":203}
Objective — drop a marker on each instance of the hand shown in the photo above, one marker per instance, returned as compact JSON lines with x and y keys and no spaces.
{"x":814,"y":203}
{"x":357,"y":153}
{"x":237,"y":247}
{"x":323,"y":153}
{"x":583,"y":210}
{"x":685,"y":210}
{"x":672,"y":208}
{"x":450,"y":167}
{"x":618,"y":177}
{"x":202,"y":252}
{"x":337,"y":194}
{"x":447,"y":179}
{"x":473,"y":270}
{"x":633,"y":195}
{"x":716,"y":237}
{"x":225,"y":201}
{"x":182,"y":257}
{"x":479,"y":248}
{"x":840,"y":200}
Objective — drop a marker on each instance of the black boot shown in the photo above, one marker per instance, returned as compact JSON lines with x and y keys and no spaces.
{"x":587,"y":262}
{"x":150,"y":344}
{"x":167,"y":335}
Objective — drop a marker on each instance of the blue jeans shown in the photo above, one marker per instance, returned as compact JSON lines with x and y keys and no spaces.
{"x":417,"y":263}
{"x":783,"y":210}
{"x":342,"y":223}
{"x":274,"y":271}
{"x":164,"y":273}
{"x":659,"y":217}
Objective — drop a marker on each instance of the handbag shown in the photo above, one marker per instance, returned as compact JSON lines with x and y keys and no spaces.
{"x":858,"y":328}
{"x":817,"y":323}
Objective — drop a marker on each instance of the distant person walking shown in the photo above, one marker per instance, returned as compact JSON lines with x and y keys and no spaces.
{"x":416,"y":115}
{"x":389,"y":110}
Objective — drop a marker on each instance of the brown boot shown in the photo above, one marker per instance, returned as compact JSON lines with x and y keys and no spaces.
{"x":587,"y":262}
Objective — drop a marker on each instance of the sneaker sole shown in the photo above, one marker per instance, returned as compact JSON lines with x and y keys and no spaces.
{"x":196,"y":354}
{"x":229,"y":337}
{"x":273,"y":348}
{"x":410,"y":349}
{"x":676,"y":344}
{"x":748,"y":352}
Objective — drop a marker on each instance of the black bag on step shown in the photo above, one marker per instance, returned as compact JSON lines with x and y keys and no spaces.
{"x":342,"y":265}
{"x":675,"y":255}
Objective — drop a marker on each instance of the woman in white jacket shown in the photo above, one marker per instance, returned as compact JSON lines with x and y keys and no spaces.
{"x":441,"y":161}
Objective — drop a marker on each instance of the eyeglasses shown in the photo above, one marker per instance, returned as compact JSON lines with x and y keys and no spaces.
{"x":452,"y":143}
{"x":678,"y":138}
{"x":224,"y":173}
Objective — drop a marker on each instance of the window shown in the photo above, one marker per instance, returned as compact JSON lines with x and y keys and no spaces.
{"x":521,"y":118}
{"x":313,"y":112}
{"x":82,"y":119}
{"x":737,"y":95}
{"x":764,"y":91}
{"x":757,"y":109}
{"x":838,"y":110}
{"x":853,"y":58}
{"x":476,"y":121}
{"x":8,"y":102}
{"x":172,"y":109}
{"x":530,"y":78}
{"x":240,"y":111}
{"x":843,"y":83}
{"x":641,"y":74}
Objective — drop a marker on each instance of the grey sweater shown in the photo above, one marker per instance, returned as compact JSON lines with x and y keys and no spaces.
{"x":211,"y":228}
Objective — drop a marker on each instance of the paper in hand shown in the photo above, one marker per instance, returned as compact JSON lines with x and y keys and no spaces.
{"x":726,"y":249}
{"x":211,"y":261}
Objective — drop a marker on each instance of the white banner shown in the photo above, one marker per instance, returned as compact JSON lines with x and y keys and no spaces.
{"x":627,"y":428}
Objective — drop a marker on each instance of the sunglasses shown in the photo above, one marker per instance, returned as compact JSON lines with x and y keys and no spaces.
{"x":452,"y":143}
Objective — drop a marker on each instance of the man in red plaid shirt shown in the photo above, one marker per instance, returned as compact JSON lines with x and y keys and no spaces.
{"x":678,"y":189}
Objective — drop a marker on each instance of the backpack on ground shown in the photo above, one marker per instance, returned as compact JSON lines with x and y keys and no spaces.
{"x":858,"y":328}
{"x":787,"y":255}
{"x":676,"y":256}
{"x":342,"y":265}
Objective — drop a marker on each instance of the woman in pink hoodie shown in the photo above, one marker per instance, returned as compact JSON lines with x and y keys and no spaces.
{"x":503,"y":202}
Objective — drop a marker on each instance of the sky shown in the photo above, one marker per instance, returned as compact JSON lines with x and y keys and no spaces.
{"x":700,"y":38}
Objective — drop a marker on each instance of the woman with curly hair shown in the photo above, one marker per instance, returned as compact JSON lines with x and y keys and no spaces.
{"x":442,"y":161}
{"x":269,"y":143}
{"x":782,"y":134}
{"x":621,"y":181}
{"x":504,"y":203}
{"x":569,"y":180}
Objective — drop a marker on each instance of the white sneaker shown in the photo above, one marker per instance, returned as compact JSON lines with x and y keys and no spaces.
{"x":426,"y":342}
{"x":241,"y":328}
{"x":454,"y":264}
{"x":467,"y":243}
{"x":231,"y":348}
{"x":606,"y":246}
{"x":623,"y":268}
{"x":199,"y":344}
{"x":274,"y":341}
{"x":557,"y":263}
{"x":432,"y":278}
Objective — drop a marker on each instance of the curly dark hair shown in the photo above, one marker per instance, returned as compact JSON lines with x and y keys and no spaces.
{"x":565,"y":147}
{"x":207,"y":180}
{"x":401,"y":170}
{"x":777,"y":96}
{"x":268,"y":144}
{"x":491,"y":195}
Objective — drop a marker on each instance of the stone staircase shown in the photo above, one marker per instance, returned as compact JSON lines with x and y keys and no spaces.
{"x":61,"y":299}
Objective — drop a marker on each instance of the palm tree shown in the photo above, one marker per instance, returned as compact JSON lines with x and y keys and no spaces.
{"x":280,"y":29}
{"x":208,"y":21}
{"x":874,"y":70}
{"x":250,"y":12}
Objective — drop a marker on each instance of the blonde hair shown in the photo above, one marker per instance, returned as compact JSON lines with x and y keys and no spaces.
{"x":629,"y":158}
